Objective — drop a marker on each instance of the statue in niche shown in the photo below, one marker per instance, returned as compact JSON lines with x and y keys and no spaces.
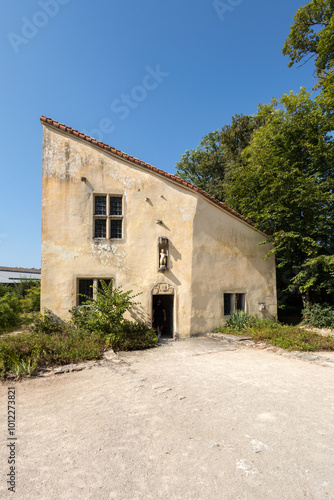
{"x":163,"y":258}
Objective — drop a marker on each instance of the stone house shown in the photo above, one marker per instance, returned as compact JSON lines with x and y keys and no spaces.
{"x":109,"y":216}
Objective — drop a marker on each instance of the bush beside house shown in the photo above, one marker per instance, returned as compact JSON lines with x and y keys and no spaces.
{"x":95,"y":326}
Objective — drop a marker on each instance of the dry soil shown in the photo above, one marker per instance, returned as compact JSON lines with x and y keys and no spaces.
{"x":194,"y":419}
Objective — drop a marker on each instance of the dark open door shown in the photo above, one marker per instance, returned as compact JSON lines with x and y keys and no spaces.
{"x":167,"y":302}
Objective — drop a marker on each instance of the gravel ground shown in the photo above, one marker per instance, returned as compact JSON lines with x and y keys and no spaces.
{"x":195,"y":419}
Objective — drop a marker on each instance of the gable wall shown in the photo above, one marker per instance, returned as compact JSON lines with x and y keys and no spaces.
{"x":68,"y":248}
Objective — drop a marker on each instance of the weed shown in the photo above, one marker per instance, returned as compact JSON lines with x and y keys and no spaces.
{"x":319,"y":315}
{"x":288,"y":337}
{"x":238,"y":319}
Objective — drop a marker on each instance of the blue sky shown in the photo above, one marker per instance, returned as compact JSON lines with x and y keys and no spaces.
{"x":150,"y":78}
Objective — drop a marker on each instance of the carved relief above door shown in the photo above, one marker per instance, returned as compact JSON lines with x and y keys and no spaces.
{"x":163,"y":288}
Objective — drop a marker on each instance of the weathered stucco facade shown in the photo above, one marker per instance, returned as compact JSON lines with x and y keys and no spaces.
{"x":214,"y":261}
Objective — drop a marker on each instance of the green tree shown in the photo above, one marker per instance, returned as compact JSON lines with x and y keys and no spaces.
{"x":285,"y":185}
{"x":312,"y":37}
{"x":207,"y":165}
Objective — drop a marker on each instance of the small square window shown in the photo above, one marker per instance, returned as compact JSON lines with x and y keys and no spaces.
{"x":233,"y":302}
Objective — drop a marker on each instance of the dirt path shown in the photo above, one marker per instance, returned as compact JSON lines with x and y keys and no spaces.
{"x":195,"y":419}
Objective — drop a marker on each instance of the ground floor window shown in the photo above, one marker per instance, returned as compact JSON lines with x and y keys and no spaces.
{"x":87,"y":287}
{"x":233,"y":302}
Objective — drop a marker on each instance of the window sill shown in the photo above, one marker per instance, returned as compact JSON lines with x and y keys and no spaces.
{"x":110,"y":240}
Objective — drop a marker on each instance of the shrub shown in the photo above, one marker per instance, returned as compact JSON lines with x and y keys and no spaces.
{"x":31,"y":300}
{"x":23,"y":286}
{"x":238,"y":319}
{"x":132,"y":336}
{"x":9,"y":310}
{"x":48,"y":323}
{"x":105,"y":314}
{"x":23,"y":297}
{"x":94,"y":326}
{"x":319,"y":315}
{"x":22,"y":353}
{"x":105,"y":317}
{"x":4,"y":289}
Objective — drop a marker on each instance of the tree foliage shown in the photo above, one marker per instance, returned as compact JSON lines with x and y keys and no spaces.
{"x":285,"y":185}
{"x":312,"y":37}
{"x":207,"y":165}
{"x":276,"y":167}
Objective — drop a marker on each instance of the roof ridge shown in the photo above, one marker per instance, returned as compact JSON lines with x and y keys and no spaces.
{"x":31,"y":270}
{"x":136,"y":161}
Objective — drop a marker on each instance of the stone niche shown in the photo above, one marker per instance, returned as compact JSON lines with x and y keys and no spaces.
{"x":163,"y":254}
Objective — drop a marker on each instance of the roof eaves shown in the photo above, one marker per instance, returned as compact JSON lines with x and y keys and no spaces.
{"x":136,"y":161}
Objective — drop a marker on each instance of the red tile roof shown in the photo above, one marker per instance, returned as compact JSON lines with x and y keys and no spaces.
{"x":135,"y":161}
